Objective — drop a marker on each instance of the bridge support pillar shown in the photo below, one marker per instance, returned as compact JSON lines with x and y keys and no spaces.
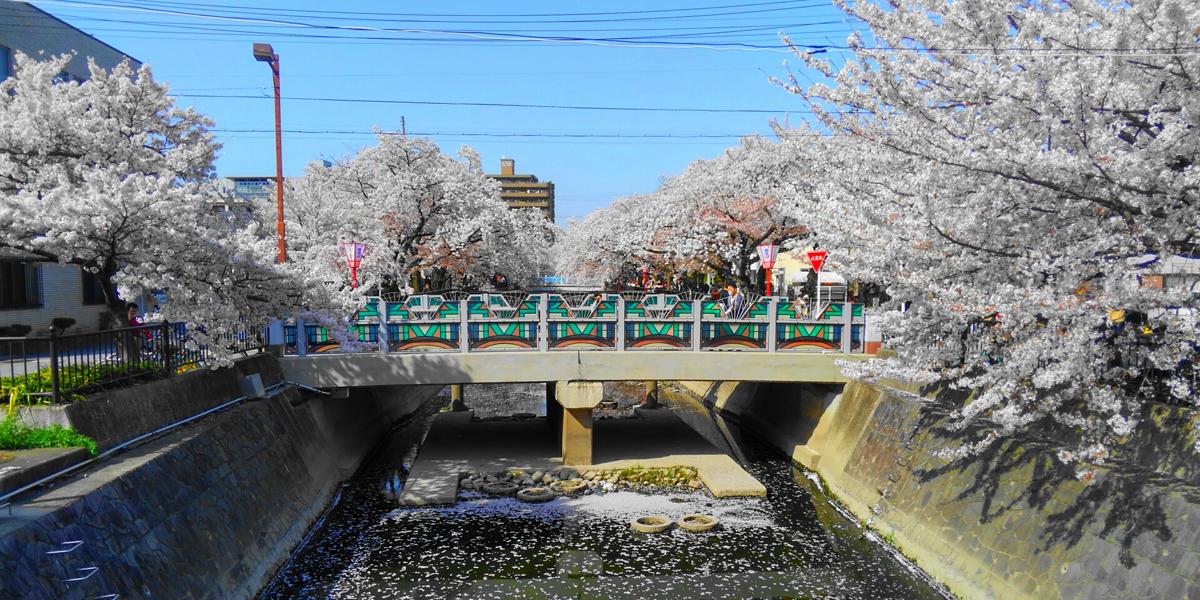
{"x":578,"y":399}
{"x":651,"y":399}
{"x":456,"y":398}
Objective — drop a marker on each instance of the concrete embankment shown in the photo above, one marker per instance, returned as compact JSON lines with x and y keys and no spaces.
{"x":208,"y":511}
{"x":1010,"y":523}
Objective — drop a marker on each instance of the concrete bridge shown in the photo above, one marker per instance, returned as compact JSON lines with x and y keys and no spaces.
{"x":575,"y":339}
{"x":374,"y":369}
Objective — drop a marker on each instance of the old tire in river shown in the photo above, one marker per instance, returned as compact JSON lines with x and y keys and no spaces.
{"x":535,"y":494}
{"x":650,"y":524}
{"x":697,"y":523}
{"x":500,"y":488}
{"x":568,"y":486}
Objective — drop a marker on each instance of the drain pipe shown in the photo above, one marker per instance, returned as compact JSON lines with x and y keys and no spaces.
{"x":266,"y":393}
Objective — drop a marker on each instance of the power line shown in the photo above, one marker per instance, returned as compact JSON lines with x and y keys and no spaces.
{"x":725,"y":33}
{"x":707,"y":30}
{"x":279,"y":16}
{"x":459,"y":74}
{"x":473,"y":35}
{"x":514,"y":15}
{"x":489,"y":36}
{"x":713,"y":142}
{"x":502,"y":104}
{"x":485,"y":134}
{"x":658,"y":43}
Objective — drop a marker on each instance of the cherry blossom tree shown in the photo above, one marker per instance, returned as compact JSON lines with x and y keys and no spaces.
{"x":1012,"y":168}
{"x":419,"y":211}
{"x":749,"y":196}
{"x":630,"y":232}
{"x":711,"y":217}
{"x":109,"y":175}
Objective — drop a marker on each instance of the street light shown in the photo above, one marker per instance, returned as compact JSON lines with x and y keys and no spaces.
{"x":265,"y":53}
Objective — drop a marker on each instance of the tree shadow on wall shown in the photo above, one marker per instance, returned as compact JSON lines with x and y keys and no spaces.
{"x":1124,"y":502}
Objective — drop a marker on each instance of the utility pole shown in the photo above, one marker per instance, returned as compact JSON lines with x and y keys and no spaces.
{"x":265,"y":53}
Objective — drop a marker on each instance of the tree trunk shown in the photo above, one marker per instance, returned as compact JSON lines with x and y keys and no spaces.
{"x":128,"y":346}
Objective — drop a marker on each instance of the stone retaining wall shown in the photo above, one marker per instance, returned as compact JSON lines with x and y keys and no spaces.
{"x":1011,"y":523}
{"x":208,"y":512}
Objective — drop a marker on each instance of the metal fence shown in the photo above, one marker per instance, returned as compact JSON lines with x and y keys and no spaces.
{"x":61,"y":367}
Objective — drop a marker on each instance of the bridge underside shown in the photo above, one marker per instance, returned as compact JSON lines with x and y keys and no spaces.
{"x":428,"y":368}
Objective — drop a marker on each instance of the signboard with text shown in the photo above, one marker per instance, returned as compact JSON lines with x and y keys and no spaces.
{"x":817,"y":259}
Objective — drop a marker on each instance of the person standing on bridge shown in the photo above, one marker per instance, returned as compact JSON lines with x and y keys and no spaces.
{"x":735,"y":302}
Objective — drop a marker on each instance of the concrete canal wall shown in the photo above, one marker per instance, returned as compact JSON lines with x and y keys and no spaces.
{"x":208,"y":512}
{"x":1012,"y":523}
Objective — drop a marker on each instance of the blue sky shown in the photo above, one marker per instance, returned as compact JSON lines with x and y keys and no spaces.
{"x":211,"y":56}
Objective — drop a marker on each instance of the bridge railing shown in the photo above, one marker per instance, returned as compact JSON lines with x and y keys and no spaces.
{"x":599,"y":321}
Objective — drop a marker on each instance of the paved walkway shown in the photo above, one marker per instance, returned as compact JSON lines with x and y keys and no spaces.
{"x":456,"y":444}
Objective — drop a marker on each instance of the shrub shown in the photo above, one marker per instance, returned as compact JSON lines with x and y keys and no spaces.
{"x":16,"y":436}
{"x":21,"y":390}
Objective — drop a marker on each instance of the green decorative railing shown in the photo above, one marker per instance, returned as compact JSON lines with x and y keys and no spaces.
{"x":602,"y":321}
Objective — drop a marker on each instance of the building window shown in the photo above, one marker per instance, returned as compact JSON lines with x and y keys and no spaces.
{"x":20,"y":285}
{"x":93,"y":292}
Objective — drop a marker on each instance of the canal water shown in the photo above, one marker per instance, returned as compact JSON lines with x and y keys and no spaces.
{"x":792,"y":544}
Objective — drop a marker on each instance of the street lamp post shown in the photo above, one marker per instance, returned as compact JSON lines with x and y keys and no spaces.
{"x":767,"y":253}
{"x":353,"y":252}
{"x":265,"y":53}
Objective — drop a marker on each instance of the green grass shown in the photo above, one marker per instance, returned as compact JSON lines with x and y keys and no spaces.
{"x":657,"y":476}
{"x":22,"y":390}
{"x":17,"y":436}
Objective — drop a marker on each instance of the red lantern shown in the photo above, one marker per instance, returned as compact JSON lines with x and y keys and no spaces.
{"x":353,"y":253}
{"x":768,"y":253}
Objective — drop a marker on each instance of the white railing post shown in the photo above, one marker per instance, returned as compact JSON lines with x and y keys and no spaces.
{"x":847,"y":326}
{"x":543,"y":332}
{"x":382,"y":307}
{"x":464,"y":334}
{"x":620,"y":332}
{"x":301,"y":338}
{"x":772,"y":319}
{"x":275,"y":336}
{"x":697,"y":312}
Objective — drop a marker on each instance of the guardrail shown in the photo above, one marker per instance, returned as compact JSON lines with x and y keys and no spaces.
{"x":60,"y":367}
{"x":600,"y":321}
